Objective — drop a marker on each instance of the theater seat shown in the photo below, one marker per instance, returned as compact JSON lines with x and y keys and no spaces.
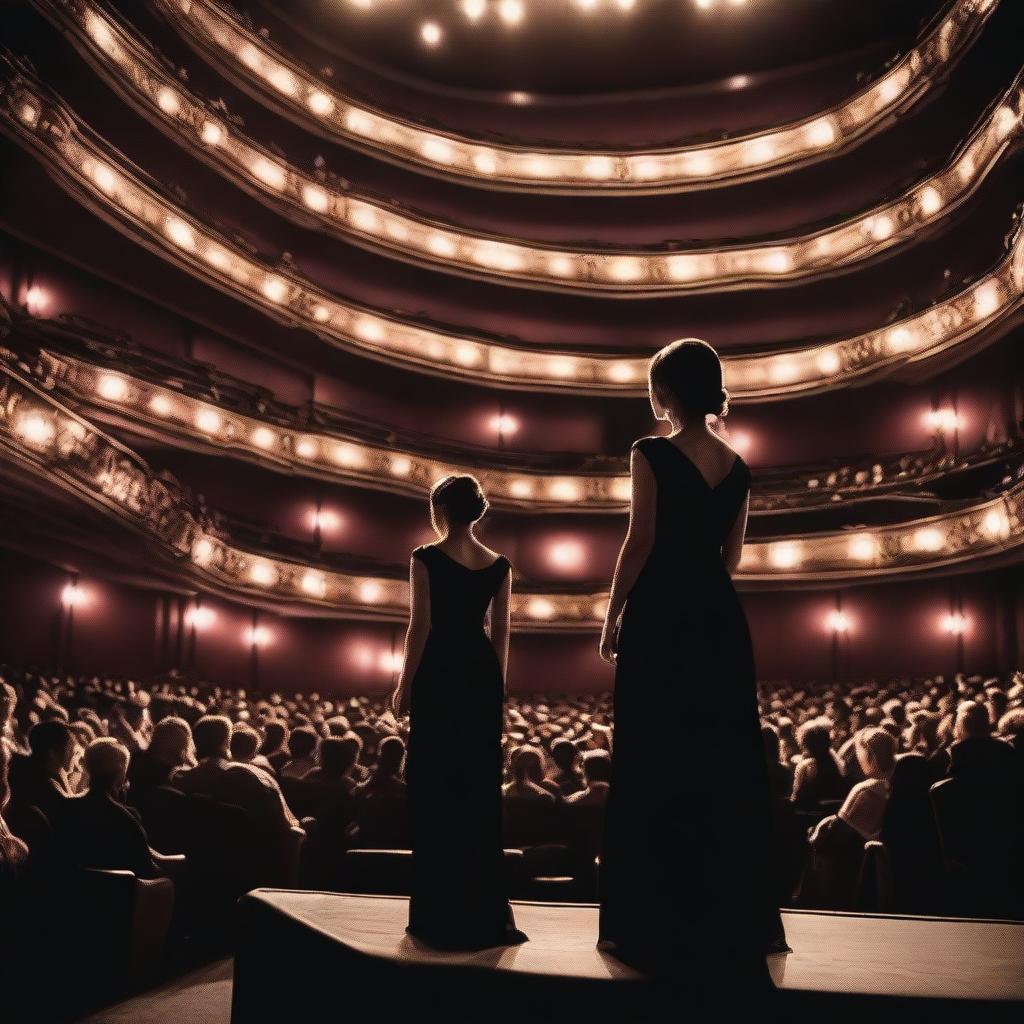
{"x":875,"y":887}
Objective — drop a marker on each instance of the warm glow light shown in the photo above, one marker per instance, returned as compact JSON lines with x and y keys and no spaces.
{"x":275,"y":289}
{"x":474,"y":9}
{"x":943,"y":419}
{"x":928,"y":538}
{"x":270,"y":173}
{"x":837,"y":621}
{"x":430,"y":33}
{"x":306,"y":448}
{"x":954,"y":623}
{"x":863,"y":547}
{"x":73,"y":596}
{"x":35,"y":429}
{"x":36,"y":299}
{"x":161,"y":405}
{"x":986,"y":300}
{"x":200,"y":618}
{"x":931,"y":201}
{"x":212,"y":133}
{"x":180,"y":233}
{"x":320,"y":103}
{"x":168,"y":101}
{"x":828,"y":361}
{"x":540,"y":608}
{"x":324,"y":520}
{"x":263,"y":573}
{"x":401,"y":466}
{"x":257,"y":636}
{"x":511,"y":11}
{"x":504,"y":424}
{"x":264,"y":438}
{"x":315,"y":198}
{"x":202,"y":551}
{"x":371,"y":592}
{"x":996,"y":524}
{"x":564,"y":490}
{"x":209,"y":421}
{"x":112,"y":387}
{"x":567,"y":554}
{"x":740,"y":441}
{"x":314,"y":584}
{"x":391,"y":661}
{"x":785,"y":555}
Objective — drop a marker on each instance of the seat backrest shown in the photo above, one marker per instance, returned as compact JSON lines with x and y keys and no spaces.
{"x":164,"y":812}
{"x":875,"y":887}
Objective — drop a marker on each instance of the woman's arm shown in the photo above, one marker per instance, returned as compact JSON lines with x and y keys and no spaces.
{"x":635,"y":548}
{"x":415,"y":635}
{"x":500,"y":622}
{"x":732,"y":549}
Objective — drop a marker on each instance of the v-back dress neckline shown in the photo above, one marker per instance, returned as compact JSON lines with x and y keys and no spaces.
{"x":482,"y":568}
{"x":696,"y":469}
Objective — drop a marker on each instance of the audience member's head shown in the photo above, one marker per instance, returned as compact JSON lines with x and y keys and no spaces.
{"x":171,"y":743}
{"x":275,"y":736}
{"x":212,"y":737}
{"x":1011,"y":725}
{"x":527,"y":765}
{"x":390,"y":754}
{"x":302,"y":742}
{"x":564,"y":754}
{"x":772,"y":744}
{"x":52,"y":745}
{"x":815,"y":738}
{"x":245,"y":741}
{"x":876,"y":751}
{"x":597,"y":766}
{"x":972,"y":721}
{"x":106,"y":763}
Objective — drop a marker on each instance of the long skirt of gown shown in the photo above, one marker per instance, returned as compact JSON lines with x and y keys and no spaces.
{"x":688,"y":859}
{"x":454,"y":775}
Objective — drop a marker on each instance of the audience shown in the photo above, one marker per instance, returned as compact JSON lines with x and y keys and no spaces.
{"x":869,"y":752}
{"x":97,"y":830}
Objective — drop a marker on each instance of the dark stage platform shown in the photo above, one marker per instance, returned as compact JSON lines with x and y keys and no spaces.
{"x":320,"y":956}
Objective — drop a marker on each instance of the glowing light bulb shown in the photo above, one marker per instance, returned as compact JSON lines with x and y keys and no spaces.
{"x":996,"y":524}
{"x":828,"y":362}
{"x":105,"y":178}
{"x":36,"y":299}
{"x":180,"y":233}
{"x":626,"y":269}
{"x":209,"y":421}
{"x":263,"y":573}
{"x":899,"y":339}
{"x":511,"y":11}
{"x":391,"y":661}
{"x":986,"y":300}
{"x":400,"y":466}
{"x":928,"y":538}
{"x":325,"y":520}
{"x":275,"y":289}
{"x":599,"y":167}
{"x":348,"y":455}
{"x":161,"y":405}
{"x":821,"y":132}
{"x":438,"y":150}
{"x":540,"y":608}
{"x":504,"y":424}
{"x":282,"y":80}
{"x":863,"y":548}
{"x":467,"y":355}
{"x":314,"y":584}
{"x":954,"y":623}
{"x":564,"y":490}
{"x":306,"y":448}
{"x":930,"y":200}
{"x":29,"y":114}
{"x":320,"y":103}
{"x":621,"y":373}
{"x":778,"y":261}
{"x":212,"y":133}
{"x":364,"y":217}
{"x":474,"y":9}
{"x":72,"y":596}
{"x":168,"y":101}
{"x":430,"y":33}
{"x":621,"y":488}
{"x":567,"y":554}
{"x":200,"y":618}
{"x":879,"y":228}
{"x":202,"y":551}
{"x":560,"y":266}
{"x":315,"y":197}
{"x":785,"y":555}
{"x":371,"y":592}
{"x":270,"y":173}
{"x":35,"y":429}
{"x":837,"y":621}
{"x":112,"y":387}
{"x":520,"y":488}
{"x":257,"y":636}
{"x":264,"y":438}
{"x":441,"y":245}
{"x":485,"y":162}
{"x":321,"y":314}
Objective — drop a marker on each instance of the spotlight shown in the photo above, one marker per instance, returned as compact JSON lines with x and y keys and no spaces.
{"x":504,"y":424}
{"x":73,"y":596}
{"x":567,"y":554}
{"x":837,"y":622}
{"x":511,"y":11}
{"x":954,"y":623}
{"x":430,"y":33}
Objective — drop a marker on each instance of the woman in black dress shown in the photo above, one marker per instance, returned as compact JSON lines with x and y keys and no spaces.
{"x":453,"y":683}
{"x":687,"y":865}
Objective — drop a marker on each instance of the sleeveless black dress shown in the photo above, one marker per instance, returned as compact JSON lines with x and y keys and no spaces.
{"x":687,"y":865}
{"x":454,"y":765}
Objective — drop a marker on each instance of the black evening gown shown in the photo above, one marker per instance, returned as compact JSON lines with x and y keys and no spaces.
{"x":687,"y":864}
{"x":454,"y":765}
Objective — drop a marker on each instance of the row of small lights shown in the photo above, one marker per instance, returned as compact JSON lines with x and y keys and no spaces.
{"x":353,"y":459}
{"x":214,"y":29}
{"x":854,"y":240}
{"x":214,"y":257}
{"x":201,"y":618}
{"x":219,"y":560}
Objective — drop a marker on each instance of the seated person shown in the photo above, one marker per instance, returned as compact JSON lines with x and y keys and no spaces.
{"x":170,"y":747}
{"x":230,"y":782}
{"x":275,"y":743}
{"x":976,"y":755}
{"x":597,"y":772}
{"x":302,"y":746}
{"x":567,"y":778}
{"x":780,"y":773}
{"x":245,"y":742}
{"x":97,"y":829}
{"x":41,"y":779}
{"x":337,"y":757}
{"x":819,"y":774}
{"x":381,"y":800}
{"x":527,"y":773}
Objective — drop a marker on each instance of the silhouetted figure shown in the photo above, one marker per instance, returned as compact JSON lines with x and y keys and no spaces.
{"x":688,"y":859}
{"x":453,"y":678}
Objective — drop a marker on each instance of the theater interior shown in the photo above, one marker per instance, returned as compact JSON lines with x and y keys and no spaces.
{"x":271,"y":270}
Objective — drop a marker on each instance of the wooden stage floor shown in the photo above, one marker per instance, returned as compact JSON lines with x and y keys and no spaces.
{"x":845,"y":958}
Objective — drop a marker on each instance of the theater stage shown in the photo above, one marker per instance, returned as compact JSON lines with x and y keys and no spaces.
{"x":319,"y":956}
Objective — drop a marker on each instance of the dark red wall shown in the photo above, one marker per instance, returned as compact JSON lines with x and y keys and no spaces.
{"x":126,"y":630}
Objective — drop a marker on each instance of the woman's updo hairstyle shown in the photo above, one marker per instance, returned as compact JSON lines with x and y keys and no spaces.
{"x":687,"y":375}
{"x":458,"y":498}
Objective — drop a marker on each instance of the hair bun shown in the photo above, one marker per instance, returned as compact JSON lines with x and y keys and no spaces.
{"x":459,"y":498}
